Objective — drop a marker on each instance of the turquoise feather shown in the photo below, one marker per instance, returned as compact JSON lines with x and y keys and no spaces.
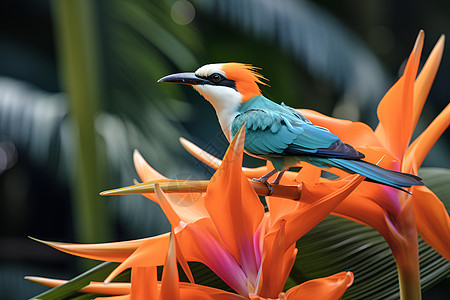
{"x":284,"y":136}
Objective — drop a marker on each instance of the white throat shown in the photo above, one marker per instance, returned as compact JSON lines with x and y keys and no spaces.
{"x":226,"y":101}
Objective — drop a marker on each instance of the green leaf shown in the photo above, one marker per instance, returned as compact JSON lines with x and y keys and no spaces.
{"x":69,"y":289}
{"x":338,"y":245}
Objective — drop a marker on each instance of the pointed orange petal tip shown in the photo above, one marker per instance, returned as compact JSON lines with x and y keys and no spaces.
{"x":45,"y":281}
{"x":171,"y":215}
{"x":138,"y":159}
{"x":169,"y":281}
{"x":425,"y":79}
{"x":214,"y":162}
{"x":240,"y":138}
{"x":200,"y":154}
{"x":441,"y":42}
{"x":51,"y":244}
{"x":417,"y":50}
{"x":350,"y":278}
{"x":242,"y":129}
{"x":331,"y":287}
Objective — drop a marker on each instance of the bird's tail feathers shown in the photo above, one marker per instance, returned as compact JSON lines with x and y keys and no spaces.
{"x":378,"y":174}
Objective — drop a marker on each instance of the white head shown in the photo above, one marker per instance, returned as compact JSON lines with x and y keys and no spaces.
{"x":226,"y":86}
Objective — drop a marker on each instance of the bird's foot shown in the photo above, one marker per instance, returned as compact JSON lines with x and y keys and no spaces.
{"x":269,"y":186}
{"x":278,"y":178}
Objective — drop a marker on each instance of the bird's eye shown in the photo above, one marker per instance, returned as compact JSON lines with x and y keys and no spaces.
{"x":216,"y":78}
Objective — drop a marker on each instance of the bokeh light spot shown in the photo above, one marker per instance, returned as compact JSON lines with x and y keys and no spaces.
{"x":8,"y":155}
{"x":183,"y":12}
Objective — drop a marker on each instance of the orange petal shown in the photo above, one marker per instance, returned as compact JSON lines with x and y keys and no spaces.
{"x":279,"y":207}
{"x":200,"y":154}
{"x":123,"y":297}
{"x":170,"y":283}
{"x":309,"y":173}
{"x":432,"y":219}
{"x":234,"y":206}
{"x":395,"y":110}
{"x":148,"y":254}
{"x":381,"y":157}
{"x":304,"y":219}
{"x":199,"y":292}
{"x":259,"y":237}
{"x":171,"y":215}
{"x":419,"y":149}
{"x":425,"y":79}
{"x":182,"y":260}
{"x":288,"y":262}
{"x":389,"y":199}
{"x":276,"y":263}
{"x":144,"y":170}
{"x":364,"y":212}
{"x":214,"y":162}
{"x":356,"y":134}
{"x":149,"y":175}
{"x":116,"y":288}
{"x":143,"y":283}
{"x":270,"y":284}
{"x":188,"y":207}
{"x":188,"y":291}
{"x":117,"y":251}
{"x":200,"y":242}
{"x":327,"y":288}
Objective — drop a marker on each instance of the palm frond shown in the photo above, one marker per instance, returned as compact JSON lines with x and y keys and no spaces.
{"x":315,"y":38}
{"x":37,"y":122}
{"x":33,"y":119}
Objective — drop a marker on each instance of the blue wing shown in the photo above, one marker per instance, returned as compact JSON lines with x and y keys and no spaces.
{"x":281,"y":135}
{"x":278,"y":130}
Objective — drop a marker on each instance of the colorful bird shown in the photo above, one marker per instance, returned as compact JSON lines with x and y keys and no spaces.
{"x":277,"y":132}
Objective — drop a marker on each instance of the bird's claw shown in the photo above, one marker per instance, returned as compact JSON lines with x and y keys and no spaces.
{"x":269,"y":186}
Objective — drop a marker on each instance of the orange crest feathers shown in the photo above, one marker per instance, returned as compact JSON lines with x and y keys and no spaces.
{"x":246,"y":77}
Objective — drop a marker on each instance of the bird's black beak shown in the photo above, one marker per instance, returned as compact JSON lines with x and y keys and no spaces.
{"x":184,"y":78}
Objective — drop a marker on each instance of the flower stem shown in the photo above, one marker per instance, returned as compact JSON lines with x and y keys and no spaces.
{"x":292,"y":192}
{"x":404,"y":246}
{"x":409,"y":281}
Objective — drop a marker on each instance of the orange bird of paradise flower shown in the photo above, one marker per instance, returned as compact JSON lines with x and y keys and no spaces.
{"x":228,"y":230}
{"x":397,"y":216}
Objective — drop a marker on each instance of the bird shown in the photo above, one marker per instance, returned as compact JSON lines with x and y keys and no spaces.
{"x":277,"y":132}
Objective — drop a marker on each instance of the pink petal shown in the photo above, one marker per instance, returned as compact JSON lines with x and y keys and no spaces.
{"x":234,"y":207}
